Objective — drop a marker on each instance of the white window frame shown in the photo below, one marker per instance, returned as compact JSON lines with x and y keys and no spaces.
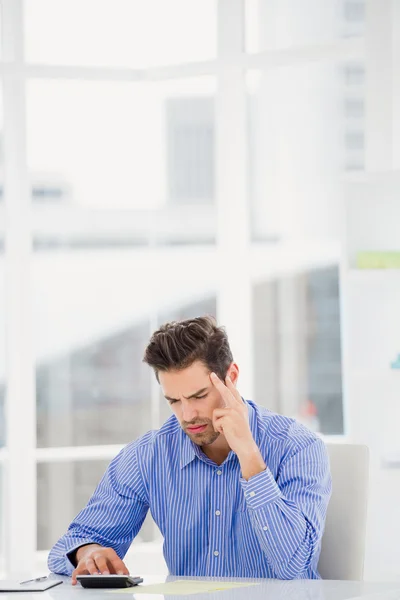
{"x":233,"y":244}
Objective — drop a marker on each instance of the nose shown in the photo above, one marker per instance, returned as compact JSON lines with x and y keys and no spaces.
{"x":189,"y":413}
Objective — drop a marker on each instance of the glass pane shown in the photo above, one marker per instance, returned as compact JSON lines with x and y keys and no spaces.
{"x":91,"y":385}
{"x":203,"y":306}
{"x":279,"y":24}
{"x":1,"y":30}
{"x":1,"y":521}
{"x":297,"y":348}
{"x":2,"y":351}
{"x":306,"y":128}
{"x":92,"y":314}
{"x":121,"y":33}
{"x":64,"y":488}
{"x":2,"y":283}
{"x":144,"y":150}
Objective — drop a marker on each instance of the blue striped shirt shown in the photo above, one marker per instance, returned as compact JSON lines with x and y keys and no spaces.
{"x":214,"y":522}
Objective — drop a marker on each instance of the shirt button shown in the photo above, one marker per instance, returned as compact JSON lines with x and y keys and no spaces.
{"x":217,"y":512}
{"x":252,"y":494}
{"x":216,"y":553}
{"x":265,"y":528}
{"x":219,"y":472}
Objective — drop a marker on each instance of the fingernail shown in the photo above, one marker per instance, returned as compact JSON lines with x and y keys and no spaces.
{"x":120,"y":572}
{"x":213,"y":375}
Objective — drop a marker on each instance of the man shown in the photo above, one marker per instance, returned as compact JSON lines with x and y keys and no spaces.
{"x":236,"y":490}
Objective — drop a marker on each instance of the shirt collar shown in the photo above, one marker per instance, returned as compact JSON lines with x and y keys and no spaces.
{"x":190,"y":450}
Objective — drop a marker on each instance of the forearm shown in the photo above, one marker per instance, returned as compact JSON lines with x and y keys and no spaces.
{"x":285,"y":536}
{"x":289,"y":518}
{"x":271,"y":515}
{"x":251,"y":461}
{"x":119,"y":538}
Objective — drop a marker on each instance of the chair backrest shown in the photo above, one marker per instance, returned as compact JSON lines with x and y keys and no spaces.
{"x":343,"y":543}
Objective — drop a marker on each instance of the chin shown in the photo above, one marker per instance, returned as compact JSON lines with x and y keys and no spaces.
{"x":205,"y":439}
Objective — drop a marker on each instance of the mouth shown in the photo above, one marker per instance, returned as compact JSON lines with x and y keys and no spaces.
{"x":196,"y":429}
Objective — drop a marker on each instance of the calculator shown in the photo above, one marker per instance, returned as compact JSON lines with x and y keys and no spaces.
{"x":108,"y":581}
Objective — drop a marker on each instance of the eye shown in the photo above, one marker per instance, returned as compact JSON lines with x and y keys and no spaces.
{"x":173,"y":401}
{"x":201,"y":397}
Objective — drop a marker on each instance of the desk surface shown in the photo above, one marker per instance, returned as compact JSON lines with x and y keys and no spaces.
{"x":267,"y":589}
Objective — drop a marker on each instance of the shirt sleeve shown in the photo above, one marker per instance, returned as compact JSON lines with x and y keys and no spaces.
{"x":288,"y":514}
{"x":113,"y":515}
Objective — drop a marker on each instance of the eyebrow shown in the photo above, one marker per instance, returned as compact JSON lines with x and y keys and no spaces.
{"x":199,"y":393}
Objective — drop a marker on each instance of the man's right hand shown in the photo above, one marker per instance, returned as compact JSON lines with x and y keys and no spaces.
{"x":94,"y":559}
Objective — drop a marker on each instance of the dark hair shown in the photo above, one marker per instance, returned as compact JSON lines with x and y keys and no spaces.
{"x":177,"y":345}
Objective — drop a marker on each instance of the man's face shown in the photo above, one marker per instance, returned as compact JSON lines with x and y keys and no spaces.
{"x":193,"y":398}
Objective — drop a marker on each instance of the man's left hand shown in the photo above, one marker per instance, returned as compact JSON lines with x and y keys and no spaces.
{"x":233,"y":422}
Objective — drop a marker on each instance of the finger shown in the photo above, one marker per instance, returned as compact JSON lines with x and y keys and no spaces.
{"x":91,"y":566}
{"x":101,"y":563}
{"x":218,"y":414}
{"x":223,"y":390}
{"x":119,"y":566}
{"x":233,"y":390}
{"x":219,"y":424}
{"x":80,"y":570}
{"x":221,"y":412}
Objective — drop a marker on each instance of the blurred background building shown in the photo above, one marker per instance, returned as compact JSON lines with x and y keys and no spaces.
{"x":178,"y":158}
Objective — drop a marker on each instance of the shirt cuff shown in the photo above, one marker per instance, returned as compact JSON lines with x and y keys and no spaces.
{"x":261,"y":489}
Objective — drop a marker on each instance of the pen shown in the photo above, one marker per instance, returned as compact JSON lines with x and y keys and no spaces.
{"x":34,"y":580}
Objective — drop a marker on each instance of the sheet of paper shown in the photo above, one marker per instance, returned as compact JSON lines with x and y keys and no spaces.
{"x":183,"y":587}
{"x":35,"y":586}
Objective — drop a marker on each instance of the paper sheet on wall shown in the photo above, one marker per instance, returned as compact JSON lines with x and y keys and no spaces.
{"x":183,"y":587}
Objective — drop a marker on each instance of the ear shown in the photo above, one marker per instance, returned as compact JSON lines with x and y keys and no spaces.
{"x":233,"y":373}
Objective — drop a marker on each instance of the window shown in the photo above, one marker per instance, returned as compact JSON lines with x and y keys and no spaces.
{"x":64,"y":488}
{"x":294,"y":23}
{"x":295,"y":152}
{"x":297,"y":348}
{"x":190,"y":150}
{"x":152,"y":194}
{"x":3,"y":374}
{"x":92,"y":387}
{"x":1,"y":520}
{"x":2,"y":347}
{"x":121,"y":33}
{"x":119,"y":412}
{"x":155,"y":193}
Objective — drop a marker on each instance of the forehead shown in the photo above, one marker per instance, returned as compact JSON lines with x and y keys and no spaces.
{"x":185,"y":382}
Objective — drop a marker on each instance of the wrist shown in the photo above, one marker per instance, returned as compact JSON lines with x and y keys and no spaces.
{"x":248,"y":451}
{"x":83,"y":549}
{"x":251,"y":461}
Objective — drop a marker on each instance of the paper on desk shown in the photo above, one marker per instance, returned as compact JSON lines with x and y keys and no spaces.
{"x":183,"y":587}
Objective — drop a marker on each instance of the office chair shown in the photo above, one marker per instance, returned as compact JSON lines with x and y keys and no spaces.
{"x":343,"y":542}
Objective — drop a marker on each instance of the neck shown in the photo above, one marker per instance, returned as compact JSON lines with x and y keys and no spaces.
{"x":218,"y":450}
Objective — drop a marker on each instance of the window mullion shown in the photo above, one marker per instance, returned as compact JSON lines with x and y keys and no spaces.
{"x":20,"y":468}
{"x":234,"y":292}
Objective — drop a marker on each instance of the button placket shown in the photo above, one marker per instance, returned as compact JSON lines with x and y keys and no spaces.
{"x":216,"y":536}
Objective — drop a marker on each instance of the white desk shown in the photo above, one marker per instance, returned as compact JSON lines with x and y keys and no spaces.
{"x":268,"y":589}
